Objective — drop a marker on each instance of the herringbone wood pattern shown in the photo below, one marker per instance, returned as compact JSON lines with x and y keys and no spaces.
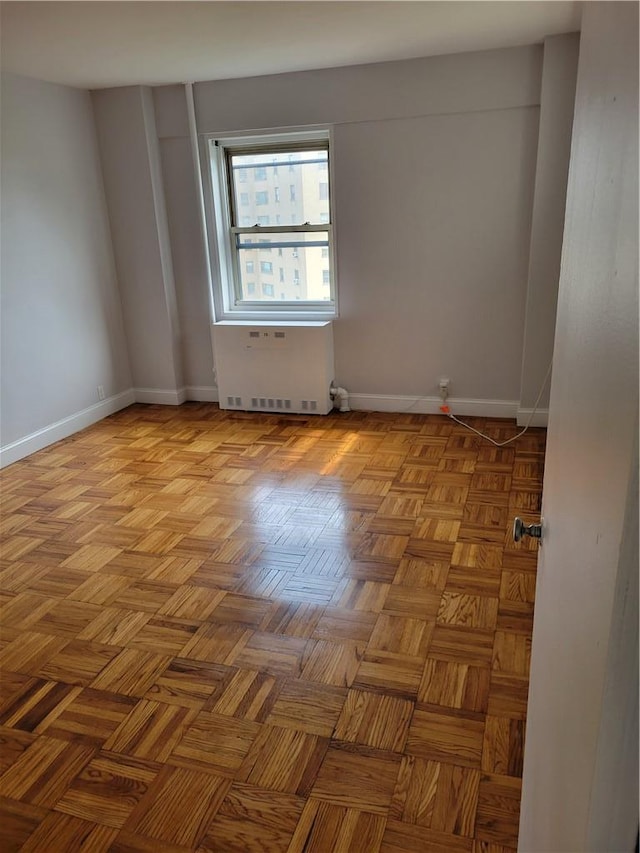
{"x":236,"y":632}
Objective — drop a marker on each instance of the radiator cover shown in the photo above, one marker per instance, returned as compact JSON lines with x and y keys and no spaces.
{"x":271,"y":367}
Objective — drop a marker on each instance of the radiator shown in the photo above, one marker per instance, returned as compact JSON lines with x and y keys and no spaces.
{"x":267,"y":367}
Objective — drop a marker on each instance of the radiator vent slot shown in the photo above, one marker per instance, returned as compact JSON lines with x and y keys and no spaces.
{"x":309,"y":405}
{"x":271,"y":404}
{"x":254,"y":334}
{"x":279,"y":335}
{"x":234,"y":402}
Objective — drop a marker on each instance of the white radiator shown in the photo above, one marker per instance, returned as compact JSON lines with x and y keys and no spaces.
{"x":270,"y":367}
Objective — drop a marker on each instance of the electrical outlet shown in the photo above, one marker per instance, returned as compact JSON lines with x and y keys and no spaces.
{"x":100,"y":392}
{"x":443,"y":387}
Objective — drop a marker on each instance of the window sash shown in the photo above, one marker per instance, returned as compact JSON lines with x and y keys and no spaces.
{"x":231,"y":151}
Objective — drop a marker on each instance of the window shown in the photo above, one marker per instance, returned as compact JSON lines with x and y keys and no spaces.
{"x":251,"y":287}
{"x":244,"y":199}
{"x":302,"y":233}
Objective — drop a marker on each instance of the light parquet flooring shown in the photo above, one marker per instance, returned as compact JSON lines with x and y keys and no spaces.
{"x":239,"y":632}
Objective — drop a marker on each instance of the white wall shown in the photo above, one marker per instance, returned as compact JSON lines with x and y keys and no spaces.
{"x":62,"y":332}
{"x":433,"y":237}
{"x":554,"y":147}
{"x":434,"y":174}
{"x":130,"y":156}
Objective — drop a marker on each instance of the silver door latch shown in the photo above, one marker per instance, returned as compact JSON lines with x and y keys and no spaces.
{"x":521,"y":529}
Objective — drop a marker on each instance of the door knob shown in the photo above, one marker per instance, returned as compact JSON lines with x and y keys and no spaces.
{"x":521,"y":529}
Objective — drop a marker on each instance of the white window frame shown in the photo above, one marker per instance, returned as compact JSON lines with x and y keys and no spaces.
{"x":222,"y":236}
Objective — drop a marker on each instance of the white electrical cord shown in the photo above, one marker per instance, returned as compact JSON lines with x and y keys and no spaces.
{"x":522,"y":431}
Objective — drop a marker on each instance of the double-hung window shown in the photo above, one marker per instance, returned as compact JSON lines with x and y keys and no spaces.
{"x":299,"y":225}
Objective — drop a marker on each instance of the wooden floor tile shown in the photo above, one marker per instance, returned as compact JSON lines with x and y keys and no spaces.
{"x":331,"y":663}
{"x":508,"y":695}
{"x":421,"y":603}
{"x":108,"y":789}
{"x":215,"y":744}
{"x":374,"y":720}
{"x":131,"y":672}
{"x":283,"y":760}
{"x":422,"y":573}
{"x":232,"y":631}
{"x":151,"y":730}
{"x":471,"y":611}
{"x":390,"y":672}
{"x":164,"y":634}
{"x":276,"y":655}
{"x":33,"y":708}
{"x":44,"y":771}
{"x":402,"y":635}
{"x":60,"y":833}
{"x":216,"y":643}
{"x":90,"y":717}
{"x":78,"y":662}
{"x":325,"y":826}
{"x":357,"y":777}
{"x":402,"y":837}
{"x":339,"y":624}
{"x":253,"y":820}
{"x":29,"y":652}
{"x":498,"y":812}
{"x":446,"y":735}
{"x":459,"y":643}
{"x":455,"y":685}
{"x":245,"y":694}
{"x":503,"y":747}
{"x":511,"y":653}
{"x":180,"y":806}
{"x":18,"y":821}
{"x":308,"y":707}
{"x":437,"y":795}
{"x":13,"y":743}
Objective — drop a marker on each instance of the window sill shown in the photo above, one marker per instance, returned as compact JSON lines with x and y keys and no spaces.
{"x":290,"y":321}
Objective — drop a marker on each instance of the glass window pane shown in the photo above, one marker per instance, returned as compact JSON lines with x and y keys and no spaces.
{"x":298,"y":267}
{"x":304,"y":196}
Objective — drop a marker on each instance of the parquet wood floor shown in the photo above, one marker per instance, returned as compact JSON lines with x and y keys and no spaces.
{"x":239,"y":632}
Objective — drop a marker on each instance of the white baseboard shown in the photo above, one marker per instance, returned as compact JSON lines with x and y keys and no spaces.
{"x":161,"y":396}
{"x":64,"y":428}
{"x":171,"y":397}
{"x":202,"y":393}
{"x":431,"y":405}
{"x":540,"y":419}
